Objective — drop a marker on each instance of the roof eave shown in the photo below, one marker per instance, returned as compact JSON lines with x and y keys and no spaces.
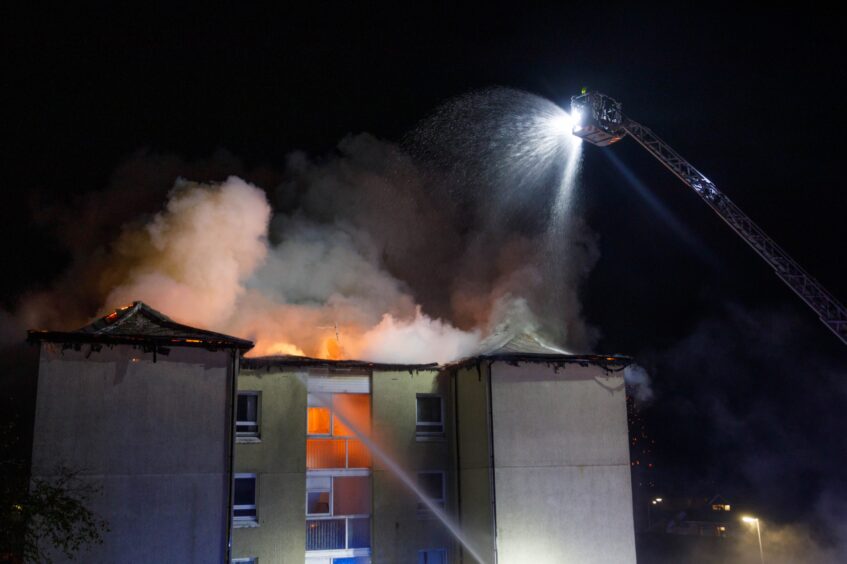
{"x":107,"y":339}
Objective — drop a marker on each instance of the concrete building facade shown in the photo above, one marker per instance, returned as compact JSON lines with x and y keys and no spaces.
{"x":526,"y":452}
{"x":141,"y":408}
{"x":522,"y":448}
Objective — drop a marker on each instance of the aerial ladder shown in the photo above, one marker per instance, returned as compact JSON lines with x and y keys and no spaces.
{"x":598,"y":119}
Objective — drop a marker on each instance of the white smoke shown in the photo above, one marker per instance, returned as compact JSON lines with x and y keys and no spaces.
{"x":369,"y":252}
{"x":639,"y":380}
{"x":192,"y":259}
{"x":419,"y":340}
{"x":205,"y":260}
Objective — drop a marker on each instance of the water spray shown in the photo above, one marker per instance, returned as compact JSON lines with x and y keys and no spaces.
{"x":399,"y":473}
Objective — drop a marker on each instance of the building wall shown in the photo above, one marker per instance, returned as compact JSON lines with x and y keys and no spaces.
{"x":474,"y":460}
{"x":400,"y":530}
{"x":561,"y":457}
{"x":557,"y":438}
{"x":153,"y":436}
{"x":278,"y":459}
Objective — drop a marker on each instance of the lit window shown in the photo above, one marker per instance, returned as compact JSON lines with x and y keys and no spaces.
{"x":244,"y":506}
{"x":331,"y":443}
{"x":430,"y":415}
{"x":247,"y":415}
{"x":319,"y":421}
{"x":432,"y":486}
{"x":720,"y":507}
{"x":432,"y":556}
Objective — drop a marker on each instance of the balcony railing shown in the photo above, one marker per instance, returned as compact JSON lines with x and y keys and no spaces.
{"x":336,"y":453}
{"x":338,"y":533}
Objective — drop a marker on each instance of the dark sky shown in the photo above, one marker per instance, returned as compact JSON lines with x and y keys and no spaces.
{"x":753,"y":99}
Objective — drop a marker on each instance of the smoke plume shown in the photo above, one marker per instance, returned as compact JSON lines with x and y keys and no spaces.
{"x":377,"y":251}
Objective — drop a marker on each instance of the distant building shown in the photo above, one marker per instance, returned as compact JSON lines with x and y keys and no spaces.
{"x":712,"y":516}
{"x":523,"y":446}
{"x":142,"y":408}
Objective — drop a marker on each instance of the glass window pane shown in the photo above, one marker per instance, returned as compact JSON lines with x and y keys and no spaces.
{"x":318,"y":483}
{"x":326,"y":453}
{"x":318,"y":421}
{"x":317,"y":503}
{"x":359,"y":533}
{"x":245,"y":491}
{"x":437,"y":556}
{"x":247,"y":407}
{"x":432,"y":484}
{"x":354,"y":408}
{"x":358,"y":455}
{"x":247,"y":428}
{"x":429,"y":409}
{"x":352,"y":495}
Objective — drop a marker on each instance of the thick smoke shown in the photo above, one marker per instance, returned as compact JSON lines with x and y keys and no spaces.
{"x":192,"y":259}
{"x":377,"y":251}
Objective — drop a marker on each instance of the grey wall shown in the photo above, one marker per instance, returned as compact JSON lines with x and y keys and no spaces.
{"x":153,"y":436}
{"x":561,"y":456}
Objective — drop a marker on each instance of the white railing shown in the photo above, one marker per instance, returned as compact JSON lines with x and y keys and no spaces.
{"x":338,"y":533}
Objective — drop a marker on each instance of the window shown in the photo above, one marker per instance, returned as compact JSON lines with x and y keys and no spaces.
{"x":430,"y":415}
{"x":330,"y":443}
{"x":338,"y":512}
{"x":244,"y":506}
{"x":317,"y":503}
{"x":432,"y":556}
{"x":247,"y":415}
{"x":432,"y":486}
{"x":248,"y":560}
{"x":721,"y":507}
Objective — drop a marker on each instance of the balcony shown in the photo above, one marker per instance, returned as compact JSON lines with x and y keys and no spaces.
{"x":338,"y":533}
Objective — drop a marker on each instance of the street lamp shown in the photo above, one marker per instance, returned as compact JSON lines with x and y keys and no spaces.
{"x":751,"y":520}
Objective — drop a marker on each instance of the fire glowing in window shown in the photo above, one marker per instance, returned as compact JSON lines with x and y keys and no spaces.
{"x":331,"y":443}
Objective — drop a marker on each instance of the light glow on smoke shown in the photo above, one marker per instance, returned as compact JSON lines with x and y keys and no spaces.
{"x":376,"y":252}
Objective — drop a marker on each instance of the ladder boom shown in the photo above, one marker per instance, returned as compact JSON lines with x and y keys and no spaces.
{"x":831,"y":312}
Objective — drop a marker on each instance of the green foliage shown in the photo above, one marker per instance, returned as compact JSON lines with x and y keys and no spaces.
{"x":46,"y":515}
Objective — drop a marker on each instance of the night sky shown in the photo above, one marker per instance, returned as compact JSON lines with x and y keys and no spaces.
{"x":750,"y":388}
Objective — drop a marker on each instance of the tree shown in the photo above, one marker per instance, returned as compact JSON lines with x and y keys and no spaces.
{"x":43,"y":516}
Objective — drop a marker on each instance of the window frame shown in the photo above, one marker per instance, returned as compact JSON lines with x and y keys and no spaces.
{"x":242,"y":520}
{"x":425,"y":551}
{"x":441,"y":502}
{"x":440,"y":427}
{"x":249,"y":436}
{"x":330,"y":507}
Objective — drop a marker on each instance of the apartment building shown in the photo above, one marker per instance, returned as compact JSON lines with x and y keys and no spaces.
{"x":524,"y":448}
{"x":521,"y":450}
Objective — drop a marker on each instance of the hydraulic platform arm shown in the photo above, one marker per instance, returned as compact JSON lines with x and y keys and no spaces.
{"x":598,"y":119}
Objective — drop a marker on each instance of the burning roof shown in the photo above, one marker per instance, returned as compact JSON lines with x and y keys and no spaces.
{"x":140,"y":324}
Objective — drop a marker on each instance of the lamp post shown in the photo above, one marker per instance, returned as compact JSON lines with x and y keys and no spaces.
{"x":755,"y":520}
